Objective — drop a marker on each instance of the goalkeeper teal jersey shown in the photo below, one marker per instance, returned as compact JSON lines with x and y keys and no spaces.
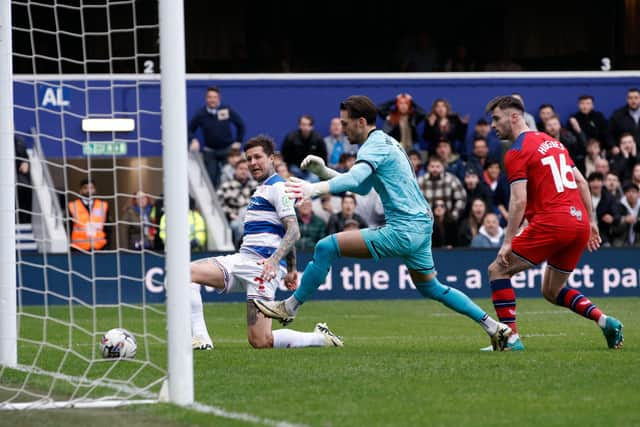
{"x":393,"y":178}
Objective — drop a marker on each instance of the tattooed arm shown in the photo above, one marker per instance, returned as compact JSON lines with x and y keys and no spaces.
{"x":292,"y":234}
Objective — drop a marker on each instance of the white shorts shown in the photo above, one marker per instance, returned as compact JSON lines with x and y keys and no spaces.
{"x":242,"y":273}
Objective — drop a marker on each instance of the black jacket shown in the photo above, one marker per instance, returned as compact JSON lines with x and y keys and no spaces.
{"x":608,"y":205}
{"x":621,"y":122}
{"x":21,"y":157}
{"x":456,"y":134}
{"x":295,"y":147}
{"x":216,"y":128}
{"x":623,"y":166}
{"x":593,"y":125}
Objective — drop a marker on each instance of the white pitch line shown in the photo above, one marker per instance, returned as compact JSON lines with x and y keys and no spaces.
{"x":242,"y":416}
{"x":47,"y":403}
{"x":151,"y":397}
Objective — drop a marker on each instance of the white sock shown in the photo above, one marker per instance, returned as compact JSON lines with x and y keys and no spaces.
{"x":489,"y":325}
{"x":602,"y":321}
{"x":198,"y":325}
{"x":288,"y":338}
{"x":292,"y":305}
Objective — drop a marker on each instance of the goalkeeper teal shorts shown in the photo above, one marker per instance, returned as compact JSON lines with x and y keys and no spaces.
{"x":412,"y":244}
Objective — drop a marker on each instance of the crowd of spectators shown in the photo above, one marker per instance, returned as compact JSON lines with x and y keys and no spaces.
{"x":460,"y":173}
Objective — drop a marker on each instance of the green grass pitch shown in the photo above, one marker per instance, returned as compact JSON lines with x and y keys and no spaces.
{"x":405,"y":363}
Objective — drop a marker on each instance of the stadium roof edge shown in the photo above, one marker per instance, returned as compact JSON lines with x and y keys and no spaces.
{"x":342,"y":76}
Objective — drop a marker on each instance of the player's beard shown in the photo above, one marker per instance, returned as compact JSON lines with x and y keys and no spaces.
{"x":268,"y":172}
{"x":507,"y":133}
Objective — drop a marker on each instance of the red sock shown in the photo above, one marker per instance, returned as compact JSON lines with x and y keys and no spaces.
{"x":578,"y":303}
{"x":504,"y":301}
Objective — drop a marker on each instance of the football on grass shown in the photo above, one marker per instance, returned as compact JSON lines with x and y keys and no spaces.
{"x":118,"y":343}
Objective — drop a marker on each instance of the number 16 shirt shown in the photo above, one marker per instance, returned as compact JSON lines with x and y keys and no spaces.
{"x":545,"y":165}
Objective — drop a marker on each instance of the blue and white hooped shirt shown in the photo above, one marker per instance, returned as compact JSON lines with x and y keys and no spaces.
{"x":263,"y":228}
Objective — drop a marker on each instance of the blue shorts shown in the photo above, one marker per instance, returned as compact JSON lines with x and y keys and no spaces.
{"x":412,"y":245}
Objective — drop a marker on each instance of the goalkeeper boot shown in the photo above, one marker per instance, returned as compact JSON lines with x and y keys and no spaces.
{"x":514,"y":343}
{"x":500,"y":338}
{"x":198,"y":343}
{"x":331,"y":339}
{"x":613,"y":332}
{"x":275,"y":310}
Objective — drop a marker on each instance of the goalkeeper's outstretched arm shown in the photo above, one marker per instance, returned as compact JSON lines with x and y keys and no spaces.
{"x":355,"y":181}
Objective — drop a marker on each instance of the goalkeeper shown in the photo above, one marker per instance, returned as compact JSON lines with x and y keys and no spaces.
{"x":382,"y":164}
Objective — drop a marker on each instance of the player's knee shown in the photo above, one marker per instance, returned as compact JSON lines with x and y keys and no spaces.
{"x":326,"y":249}
{"x":496,"y":270}
{"x":197,"y":273}
{"x":260,"y":340}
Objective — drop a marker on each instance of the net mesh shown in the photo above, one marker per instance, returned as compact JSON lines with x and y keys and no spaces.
{"x":69,"y":63}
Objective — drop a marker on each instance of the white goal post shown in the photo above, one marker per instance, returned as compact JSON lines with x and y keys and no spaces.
{"x":174,"y":120}
{"x":8,"y":330}
{"x":59,"y":356}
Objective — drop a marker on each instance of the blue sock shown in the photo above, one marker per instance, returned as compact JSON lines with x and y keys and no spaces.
{"x":314,"y":275}
{"x":452,"y":298}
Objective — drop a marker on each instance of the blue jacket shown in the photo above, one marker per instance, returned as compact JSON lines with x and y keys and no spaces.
{"x":480,"y":240}
{"x":216,"y":128}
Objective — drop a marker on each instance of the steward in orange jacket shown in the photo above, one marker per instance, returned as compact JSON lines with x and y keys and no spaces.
{"x":88,"y":218}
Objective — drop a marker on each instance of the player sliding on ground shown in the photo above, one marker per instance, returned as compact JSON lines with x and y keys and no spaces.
{"x":551,"y":193}
{"x":382,"y":164}
{"x":270,"y":231}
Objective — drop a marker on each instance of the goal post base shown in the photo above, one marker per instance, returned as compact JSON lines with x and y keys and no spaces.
{"x":80,"y":404}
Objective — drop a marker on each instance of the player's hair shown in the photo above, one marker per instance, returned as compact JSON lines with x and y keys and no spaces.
{"x":215,"y":89}
{"x":306,"y":116}
{"x":87,"y":181}
{"x":629,"y":186}
{"x":504,"y":103}
{"x":241,"y":161}
{"x":360,"y":106}
{"x":583,"y":97}
{"x":634,"y":89}
{"x":593,"y":176}
{"x":542,"y":106}
{"x":264,"y":141}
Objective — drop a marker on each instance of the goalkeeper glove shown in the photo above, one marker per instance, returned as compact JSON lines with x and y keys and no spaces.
{"x":315,"y":165}
{"x":297,"y":188}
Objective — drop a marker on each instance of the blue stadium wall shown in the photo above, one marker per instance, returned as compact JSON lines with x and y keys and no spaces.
{"x":271,"y":104}
{"x":608,"y":272}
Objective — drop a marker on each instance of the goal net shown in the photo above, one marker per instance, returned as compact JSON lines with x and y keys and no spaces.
{"x":88,"y":202}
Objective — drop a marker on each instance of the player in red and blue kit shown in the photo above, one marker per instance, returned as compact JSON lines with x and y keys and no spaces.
{"x":551,"y":193}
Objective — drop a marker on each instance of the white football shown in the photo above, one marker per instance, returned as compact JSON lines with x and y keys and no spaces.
{"x":118,"y":343}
